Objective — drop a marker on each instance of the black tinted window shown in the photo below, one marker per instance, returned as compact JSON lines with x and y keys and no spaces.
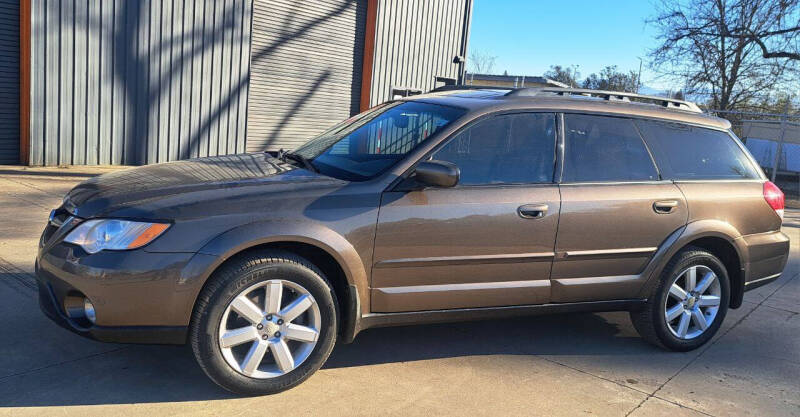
{"x":509,"y":149}
{"x":605,"y":149}
{"x":688,"y":152}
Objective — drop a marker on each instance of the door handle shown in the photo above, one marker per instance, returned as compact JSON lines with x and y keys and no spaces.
{"x":665,"y":206}
{"x":532,"y":211}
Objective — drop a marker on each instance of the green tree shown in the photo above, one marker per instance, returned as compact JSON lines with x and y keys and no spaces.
{"x":568,"y":76}
{"x":610,"y":78}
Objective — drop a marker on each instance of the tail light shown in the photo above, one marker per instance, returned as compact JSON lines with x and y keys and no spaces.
{"x":774,"y":197}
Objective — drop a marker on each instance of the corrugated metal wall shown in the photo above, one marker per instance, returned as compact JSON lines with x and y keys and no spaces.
{"x":416,"y":41}
{"x":138,"y":82}
{"x":9,"y":81}
{"x":306,"y":69}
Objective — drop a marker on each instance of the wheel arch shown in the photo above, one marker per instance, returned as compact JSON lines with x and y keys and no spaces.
{"x":726,"y":251}
{"x":717,"y":237}
{"x":326,"y":249}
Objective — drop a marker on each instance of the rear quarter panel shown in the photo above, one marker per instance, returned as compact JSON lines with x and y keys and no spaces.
{"x":762,"y":247}
{"x":738,"y":203}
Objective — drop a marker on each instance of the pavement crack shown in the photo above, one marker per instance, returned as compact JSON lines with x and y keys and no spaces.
{"x":705,"y":348}
{"x":679,"y":405}
{"x":94,"y":355}
{"x":593,"y":375}
{"x":793,"y":313}
{"x":624,"y":386}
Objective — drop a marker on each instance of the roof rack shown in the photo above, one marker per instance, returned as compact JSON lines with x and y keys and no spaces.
{"x":469,"y":87}
{"x":608,"y":95}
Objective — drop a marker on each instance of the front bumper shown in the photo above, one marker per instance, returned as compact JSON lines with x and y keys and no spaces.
{"x":118,"y":334}
{"x":136,"y":294}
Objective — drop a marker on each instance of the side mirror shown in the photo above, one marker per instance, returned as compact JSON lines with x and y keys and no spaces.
{"x":437,"y":173}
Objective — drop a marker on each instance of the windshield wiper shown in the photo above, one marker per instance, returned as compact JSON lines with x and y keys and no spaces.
{"x":283,"y":156}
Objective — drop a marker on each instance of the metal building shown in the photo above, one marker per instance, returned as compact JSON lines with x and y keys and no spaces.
{"x":139,"y":82}
{"x":9,"y":81}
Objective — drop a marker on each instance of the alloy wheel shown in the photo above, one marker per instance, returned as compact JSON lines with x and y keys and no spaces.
{"x":693,"y":302}
{"x":269,"y":329}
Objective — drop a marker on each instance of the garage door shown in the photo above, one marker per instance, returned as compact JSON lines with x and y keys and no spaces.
{"x":306,"y":62}
{"x":9,"y":81}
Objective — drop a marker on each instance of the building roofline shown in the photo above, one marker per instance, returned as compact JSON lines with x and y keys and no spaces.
{"x":512,"y":78}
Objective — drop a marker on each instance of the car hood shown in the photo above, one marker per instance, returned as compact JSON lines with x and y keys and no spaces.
{"x":148,"y":190}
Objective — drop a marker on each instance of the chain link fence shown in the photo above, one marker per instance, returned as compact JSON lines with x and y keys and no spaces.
{"x":774,"y":141}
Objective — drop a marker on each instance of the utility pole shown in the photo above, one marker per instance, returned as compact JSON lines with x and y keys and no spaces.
{"x":778,"y":151}
{"x":574,"y":75}
{"x":639,"y":78}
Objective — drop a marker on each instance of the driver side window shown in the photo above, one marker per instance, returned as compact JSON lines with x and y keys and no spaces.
{"x":506,"y":149}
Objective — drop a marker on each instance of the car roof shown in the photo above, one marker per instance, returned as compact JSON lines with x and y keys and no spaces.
{"x":491,"y":99}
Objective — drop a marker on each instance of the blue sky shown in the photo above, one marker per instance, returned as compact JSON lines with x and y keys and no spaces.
{"x":528,"y":36}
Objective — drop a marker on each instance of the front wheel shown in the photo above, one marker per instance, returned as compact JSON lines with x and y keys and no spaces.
{"x":264,"y":323}
{"x":688,"y":306}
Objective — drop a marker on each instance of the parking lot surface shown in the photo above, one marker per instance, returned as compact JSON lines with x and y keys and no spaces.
{"x":554,"y":365}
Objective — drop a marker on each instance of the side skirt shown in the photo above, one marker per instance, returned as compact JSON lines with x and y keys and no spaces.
{"x":751,"y":285}
{"x":491,"y":313}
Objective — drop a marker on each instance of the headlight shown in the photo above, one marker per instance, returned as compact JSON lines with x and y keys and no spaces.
{"x":96,"y":235}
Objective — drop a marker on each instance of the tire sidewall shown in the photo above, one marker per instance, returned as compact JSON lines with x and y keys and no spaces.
{"x":209,"y":352}
{"x":688,"y":260}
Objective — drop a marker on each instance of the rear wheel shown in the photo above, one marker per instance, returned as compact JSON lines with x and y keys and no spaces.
{"x":688,"y":306}
{"x":264,"y":323}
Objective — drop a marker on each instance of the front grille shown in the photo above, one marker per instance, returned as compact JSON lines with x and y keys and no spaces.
{"x":59,"y":218}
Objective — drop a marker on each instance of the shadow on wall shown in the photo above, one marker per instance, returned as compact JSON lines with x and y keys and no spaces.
{"x":182,"y":89}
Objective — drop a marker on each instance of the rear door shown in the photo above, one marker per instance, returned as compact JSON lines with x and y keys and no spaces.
{"x":615,"y":211}
{"x":486,"y":242}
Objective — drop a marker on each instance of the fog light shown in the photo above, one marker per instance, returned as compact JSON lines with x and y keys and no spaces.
{"x":88,"y":310}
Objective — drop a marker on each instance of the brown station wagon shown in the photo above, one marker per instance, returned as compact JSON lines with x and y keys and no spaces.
{"x":456,"y":205}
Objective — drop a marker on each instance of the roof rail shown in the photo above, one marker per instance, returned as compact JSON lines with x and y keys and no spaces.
{"x":469,"y":87}
{"x":608,"y":95}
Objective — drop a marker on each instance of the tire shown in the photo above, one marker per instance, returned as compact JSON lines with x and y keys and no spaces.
{"x":651,"y":321}
{"x":218,"y":308}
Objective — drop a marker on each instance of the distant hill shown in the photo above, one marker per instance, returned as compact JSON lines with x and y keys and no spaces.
{"x":652,"y":91}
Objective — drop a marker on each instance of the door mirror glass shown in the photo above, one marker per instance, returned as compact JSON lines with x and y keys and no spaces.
{"x":437,"y":174}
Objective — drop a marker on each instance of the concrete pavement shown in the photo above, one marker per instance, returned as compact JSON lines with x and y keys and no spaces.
{"x":557,"y":365}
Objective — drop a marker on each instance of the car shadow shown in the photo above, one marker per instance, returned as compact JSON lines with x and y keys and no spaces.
{"x":157,"y":374}
{"x":566,"y":334}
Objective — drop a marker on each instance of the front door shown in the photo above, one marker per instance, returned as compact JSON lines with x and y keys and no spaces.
{"x":616,"y":211}
{"x":487,"y":241}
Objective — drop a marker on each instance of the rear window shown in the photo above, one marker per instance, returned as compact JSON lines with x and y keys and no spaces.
{"x":694,"y":153}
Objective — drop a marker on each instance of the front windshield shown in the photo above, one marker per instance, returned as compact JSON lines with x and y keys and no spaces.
{"x":365,"y":145}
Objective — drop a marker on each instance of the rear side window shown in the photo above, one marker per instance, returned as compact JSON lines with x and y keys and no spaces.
{"x":694,"y":153}
{"x":506,"y":149}
{"x":603,"y":149}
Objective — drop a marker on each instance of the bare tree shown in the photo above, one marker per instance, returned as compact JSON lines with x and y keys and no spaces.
{"x":711,"y":47}
{"x":777,"y":27}
{"x":481,"y":62}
